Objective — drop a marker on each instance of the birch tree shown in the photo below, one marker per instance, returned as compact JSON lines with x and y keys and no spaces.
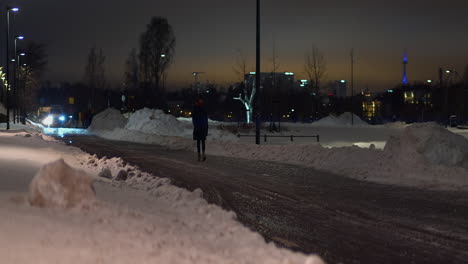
{"x":246,"y":96}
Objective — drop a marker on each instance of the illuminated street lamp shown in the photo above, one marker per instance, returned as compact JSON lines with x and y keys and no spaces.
{"x":15,"y":83}
{"x":8,"y":10}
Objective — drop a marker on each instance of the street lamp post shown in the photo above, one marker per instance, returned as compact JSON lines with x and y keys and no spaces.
{"x":257,"y":79}
{"x":15,"y":72}
{"x":197,"y":86}
{"x":21,"y":95}
{"x":9,"y":9}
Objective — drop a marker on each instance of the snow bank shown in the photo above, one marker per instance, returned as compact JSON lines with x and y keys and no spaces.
{"x":156,"y":122}
{"x":108,"y":119}
{"x":431,"y":141}
{"x":341,"y":120}
{"x":152,"y":126}
{"x":152,"y":222}
{"x":58,"y":185}
{"x":424,"y":155}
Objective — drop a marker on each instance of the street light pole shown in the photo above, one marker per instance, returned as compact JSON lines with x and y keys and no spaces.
{"x":352,"y":86}
{"x":15,"y":73}
{"x":257,"y":79}
{"x":14,"y":9}
{"x":441,"y":82}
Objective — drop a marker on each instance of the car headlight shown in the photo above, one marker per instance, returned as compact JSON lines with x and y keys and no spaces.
{"x":49,"y":120}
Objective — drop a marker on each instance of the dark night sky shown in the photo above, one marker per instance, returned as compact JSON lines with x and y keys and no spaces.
{"x":208,"y":32}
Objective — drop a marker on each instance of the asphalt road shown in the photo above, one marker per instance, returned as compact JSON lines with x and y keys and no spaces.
{"x":343,"y":220}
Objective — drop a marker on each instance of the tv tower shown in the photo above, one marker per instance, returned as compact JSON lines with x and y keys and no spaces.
{"x":405,"y":62}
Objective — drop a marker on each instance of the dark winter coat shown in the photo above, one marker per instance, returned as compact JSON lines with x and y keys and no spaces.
{"x":200,"y":123}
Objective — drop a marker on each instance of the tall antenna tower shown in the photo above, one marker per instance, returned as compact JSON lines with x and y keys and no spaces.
{"x":405,"y":62}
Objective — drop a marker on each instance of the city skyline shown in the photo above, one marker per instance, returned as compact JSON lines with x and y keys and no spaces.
{"x":209,"y":33}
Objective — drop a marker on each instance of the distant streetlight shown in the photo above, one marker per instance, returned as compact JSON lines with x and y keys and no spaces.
{"x":8,"y":11}
{"x":343,"y":81}
{"x":15,"y":72}
{"x":163,"y":55}
{"x":195,"y":75}
{"x":446,"y":94}
{"x":429,"y":81}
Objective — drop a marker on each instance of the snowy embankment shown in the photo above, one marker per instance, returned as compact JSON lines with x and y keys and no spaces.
{"x":422,"y":155}
{"x":74,"y":222}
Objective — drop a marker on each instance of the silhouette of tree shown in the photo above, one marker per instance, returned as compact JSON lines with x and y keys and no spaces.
{"x":132,"y":71}
{"x":94,"y":74}
{"x":315,"y":67}
{"x":30,"y":77}
{"x":157,"y":50}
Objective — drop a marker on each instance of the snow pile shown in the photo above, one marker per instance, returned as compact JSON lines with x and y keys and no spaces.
{"x":341,"y":120}
{"x":108,"y":119}
{"x":154,"y":222}
{"x":431,"y":141}
{"x":424,"y":155}
{"x":58,"y":185}
{"x":152,"y":126}
{"x":153,"y":121}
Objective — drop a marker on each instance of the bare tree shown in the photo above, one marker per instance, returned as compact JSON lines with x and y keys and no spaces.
{"x":246,"y":96}
{"x":315,"y":67}
{"x":30,"y":77}
{"x":132,"y":71}
{"x":94,"y":74}
{"x":274,"y":65}
{"x":157,"y":50}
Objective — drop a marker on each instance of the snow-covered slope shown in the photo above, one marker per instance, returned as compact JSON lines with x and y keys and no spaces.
{"x":341,"y":120}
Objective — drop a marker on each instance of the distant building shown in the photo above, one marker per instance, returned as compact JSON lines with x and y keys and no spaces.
{"x":371,"y":106}
{"x":340,"y":88}
{"x":272,"y":82}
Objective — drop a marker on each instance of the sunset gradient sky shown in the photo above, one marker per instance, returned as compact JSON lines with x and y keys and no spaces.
{"x":209,"y":32}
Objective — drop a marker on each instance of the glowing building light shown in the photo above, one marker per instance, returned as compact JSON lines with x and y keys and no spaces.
{"x":390,"y":91}
{"x":429,"y":81}
{"x":252,"y":72}
{"x":343,"y":81}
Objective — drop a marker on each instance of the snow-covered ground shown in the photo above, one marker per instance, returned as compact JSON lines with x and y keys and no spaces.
{"x":144,"y":220}
{"x":421,"y":155}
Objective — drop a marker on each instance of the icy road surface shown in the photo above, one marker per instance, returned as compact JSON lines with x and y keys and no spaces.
{"x":343,"y":220}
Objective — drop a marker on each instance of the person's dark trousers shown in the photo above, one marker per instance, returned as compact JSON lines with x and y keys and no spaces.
{"x":202,"y":149}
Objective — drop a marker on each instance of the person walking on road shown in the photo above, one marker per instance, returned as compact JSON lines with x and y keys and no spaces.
{"x":200,"y":127}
